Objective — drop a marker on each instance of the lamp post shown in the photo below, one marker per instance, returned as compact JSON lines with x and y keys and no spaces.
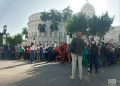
{"x":88,"y":34}
{"x":4,"y":34}
{"x":69,"y":38}
{"x":34,"y":39}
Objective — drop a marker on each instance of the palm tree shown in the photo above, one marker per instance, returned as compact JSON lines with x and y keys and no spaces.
{"x":25,"y":32}
{"x":55,"y":17}
{"x":54,"y":27}
{"x":44,"y":17}
{"x":67,"y":14}
{"x":41,"y":27}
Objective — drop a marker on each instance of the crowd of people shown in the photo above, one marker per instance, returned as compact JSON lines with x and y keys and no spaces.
{"x":91,"y":53}
{"x":88,"y":54}
{"x":42,"y":52}
{"x":106,"y":53}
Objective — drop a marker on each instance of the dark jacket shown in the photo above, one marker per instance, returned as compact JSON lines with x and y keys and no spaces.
{"x":77,"y":46}
{"x":93,"y":48}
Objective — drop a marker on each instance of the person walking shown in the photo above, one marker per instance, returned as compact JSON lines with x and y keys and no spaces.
{"x":76,"y":48}
{"x":93,"y":55}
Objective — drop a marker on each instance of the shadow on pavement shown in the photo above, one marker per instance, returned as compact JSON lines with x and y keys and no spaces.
{"x":12,"y":66}
{"x":55,"y":74}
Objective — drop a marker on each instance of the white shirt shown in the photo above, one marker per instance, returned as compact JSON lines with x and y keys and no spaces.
{"x":32,"y":47}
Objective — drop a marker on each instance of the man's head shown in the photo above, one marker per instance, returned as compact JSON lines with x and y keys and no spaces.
{"x":79,"y":34}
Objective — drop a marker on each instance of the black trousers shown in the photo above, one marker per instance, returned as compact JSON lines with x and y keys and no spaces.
{"x":93,"y":61}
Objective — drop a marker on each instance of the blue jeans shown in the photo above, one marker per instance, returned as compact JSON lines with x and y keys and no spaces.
{"x":32,"y":55}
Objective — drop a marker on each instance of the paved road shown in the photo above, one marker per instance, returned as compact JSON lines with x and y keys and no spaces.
{"x":15,"y":73}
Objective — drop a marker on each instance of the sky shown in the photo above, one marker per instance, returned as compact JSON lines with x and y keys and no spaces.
{"x":15,"y":13}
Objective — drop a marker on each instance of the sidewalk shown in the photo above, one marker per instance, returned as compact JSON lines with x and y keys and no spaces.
{"x":15,"y":73}
{"x":10,"y":63}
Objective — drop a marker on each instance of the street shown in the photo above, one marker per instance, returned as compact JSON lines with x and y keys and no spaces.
{"x":16,"y":73}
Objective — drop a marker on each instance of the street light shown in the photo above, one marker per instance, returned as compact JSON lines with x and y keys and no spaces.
{"x":4,"y":29}
{"x":4,"y":34}
{"x":88,"y":34}
{"x":69,"y":37}
{"x":34,"y":38}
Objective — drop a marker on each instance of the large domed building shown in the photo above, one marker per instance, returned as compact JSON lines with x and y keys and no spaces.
{"x":34,"y":35}
{"x":88,"y":9}
{"x":49,"y":37}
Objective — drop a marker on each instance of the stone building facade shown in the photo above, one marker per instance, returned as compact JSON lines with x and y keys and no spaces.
{"x":34,"y":35}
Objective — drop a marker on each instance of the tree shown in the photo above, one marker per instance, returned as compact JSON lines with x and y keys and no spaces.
{"x":78,"y":23}
{"x":100,"y":25}
{"x":25,"y":32}
{"x":55,"y":18}
{"x":97,"y":25}
{"x":9,"y":40}
{"x":17,"y":39}
{"x":41,"y":27}
{"x":1,"y":40}
{"x":45,"y":16}
{"x":54,"y":27}
{"x":105,"y":23}
{"x":93,"y":24}
{"x":67,"y":14}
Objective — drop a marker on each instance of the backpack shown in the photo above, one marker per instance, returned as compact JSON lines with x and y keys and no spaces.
{"x":94,"y":48}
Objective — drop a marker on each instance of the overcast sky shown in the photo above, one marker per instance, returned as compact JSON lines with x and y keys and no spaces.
{"x":15,"y":13}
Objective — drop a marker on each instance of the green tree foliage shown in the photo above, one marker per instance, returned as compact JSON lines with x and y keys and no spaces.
{"x":45,"y":16}
{"x":100,"y":25}
{"x":25,"y":32}
{"x":17,"y":39}
{"x":54,"y":27}
{"x":41,"y":27}
{"x":56,"y":17}
{"x":93,"y":23}
{"x":1,"y":40}
{"x":78,"y":23}
{"x":105,"y":23}
{"x":10,"y":40}
{"x":97,"y":25}
{"x":67,"y":14}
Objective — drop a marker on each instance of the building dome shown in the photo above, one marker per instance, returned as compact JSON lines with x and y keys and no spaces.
{"x":88,"y":9}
